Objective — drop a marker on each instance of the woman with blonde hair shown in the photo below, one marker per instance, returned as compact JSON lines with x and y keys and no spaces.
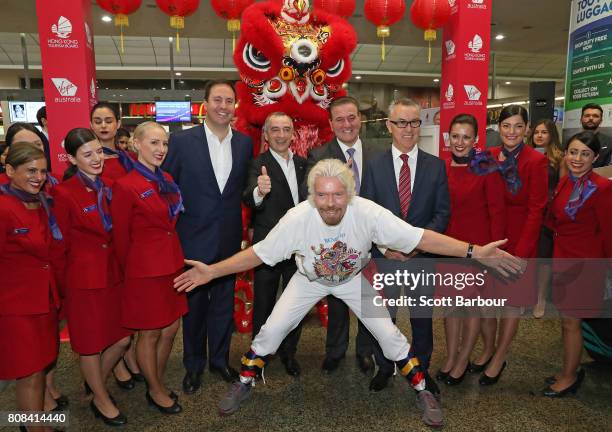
{"x":144,"y":208}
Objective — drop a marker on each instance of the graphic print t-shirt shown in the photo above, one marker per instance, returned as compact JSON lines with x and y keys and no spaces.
{"x":332,"y":255}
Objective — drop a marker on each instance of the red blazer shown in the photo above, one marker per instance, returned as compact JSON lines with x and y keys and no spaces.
{"x":4,"y":179}
{"x":27,"y":286}
{"x":86,"y":258}
{"x":590,"y":235}
{"x":478,"y":208}
{"x":525,"y":210}
{"x":145,"y":239}
{"x":113,"y":168}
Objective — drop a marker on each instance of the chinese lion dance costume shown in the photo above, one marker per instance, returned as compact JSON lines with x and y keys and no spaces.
{"x":294,"y":60}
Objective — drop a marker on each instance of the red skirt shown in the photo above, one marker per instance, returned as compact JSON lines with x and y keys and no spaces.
{"x":151,"y":303}
{"x":29,"y":344}
{"x":578,"y":287}
{"x":94,"y":319}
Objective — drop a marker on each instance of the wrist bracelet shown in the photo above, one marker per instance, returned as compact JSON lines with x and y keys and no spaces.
{"x":470,"y":251}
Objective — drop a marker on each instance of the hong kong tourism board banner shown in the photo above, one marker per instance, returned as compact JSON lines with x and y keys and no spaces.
{"x":68,"y":68}
{"x":589,"y":62}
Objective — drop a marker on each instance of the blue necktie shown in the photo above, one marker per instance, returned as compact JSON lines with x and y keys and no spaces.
{"x":355,"y":169}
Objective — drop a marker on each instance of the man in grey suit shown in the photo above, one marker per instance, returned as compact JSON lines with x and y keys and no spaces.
{"x":347,"y":147}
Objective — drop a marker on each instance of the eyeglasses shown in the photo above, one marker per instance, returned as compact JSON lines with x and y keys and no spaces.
{"x":402,"y":124}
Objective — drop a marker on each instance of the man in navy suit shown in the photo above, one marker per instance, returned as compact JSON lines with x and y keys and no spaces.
{"x":413,"y":185}
{"x":209,"y":164}
{"x":272,"y":189}
{"x":345,"y":121}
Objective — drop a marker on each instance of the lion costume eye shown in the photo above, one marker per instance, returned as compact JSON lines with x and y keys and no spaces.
{"x":255,"y":58}
{"x":336,"y":69}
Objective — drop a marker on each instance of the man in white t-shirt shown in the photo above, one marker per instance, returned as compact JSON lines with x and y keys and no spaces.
{"x":331,"y":235}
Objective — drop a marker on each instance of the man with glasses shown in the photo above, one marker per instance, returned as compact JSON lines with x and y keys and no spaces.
{"x":347,"y":147}
{"x":412,"y":184}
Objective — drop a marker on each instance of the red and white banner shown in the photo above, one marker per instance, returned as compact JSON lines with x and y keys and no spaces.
{"x":466,"y":47}
{"x":69,"y":70}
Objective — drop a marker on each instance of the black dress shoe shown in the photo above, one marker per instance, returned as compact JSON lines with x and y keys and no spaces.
{"x":478,"y":368}
{"x":365,"y":363}
{"x":175,"y":408}
{"x":380,"y":381}
{"x":486,"y":380}
{"x":227,"y":373}
{"x":137,"y":376}
{"x":118,"y":420}
{"x":452,"y":381}
{"x":192,"y":382}
{"x":549,"y":392}
{"x":292,"y":367}
{"x":125,"y":385}
{"x":441,"y":375}
{"x":62,"y":401}
{"x":330,"y":364}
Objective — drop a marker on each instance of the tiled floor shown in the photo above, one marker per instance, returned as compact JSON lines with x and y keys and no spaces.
{"x":342,"y":402}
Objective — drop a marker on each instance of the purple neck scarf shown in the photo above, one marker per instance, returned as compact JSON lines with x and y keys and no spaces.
{"x":124,"y":159}
{"x":45,"y":201}
{"x":168,"y":190}
{"x":104,"y":195}
{"x":582,"y":190}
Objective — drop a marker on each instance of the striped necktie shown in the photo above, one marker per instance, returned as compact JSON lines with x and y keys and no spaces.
{"x":405,"y":194}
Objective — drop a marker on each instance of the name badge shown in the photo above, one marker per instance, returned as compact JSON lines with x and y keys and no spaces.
{"x":90,"y":208}
{"x":147,"y":193}
{"x":18,"y":231}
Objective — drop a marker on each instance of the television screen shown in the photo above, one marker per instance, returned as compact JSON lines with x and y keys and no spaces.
{"x":172,"y":112}
{"x":24,"y":111}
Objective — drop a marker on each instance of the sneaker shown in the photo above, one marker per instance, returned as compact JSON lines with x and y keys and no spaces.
{"x":432,"y":412}
{"x":237,"y":393}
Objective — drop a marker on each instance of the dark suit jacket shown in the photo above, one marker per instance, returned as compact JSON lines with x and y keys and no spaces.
{"x":332,"y":150}
{"x":210,"y":229}
{"x":430,"y":204}
{"x":605,"y":154}
{"x":276,"y":203}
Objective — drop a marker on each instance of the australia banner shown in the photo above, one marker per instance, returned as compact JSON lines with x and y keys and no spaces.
{"x":68,"y":67}
{"x":465,"y":67}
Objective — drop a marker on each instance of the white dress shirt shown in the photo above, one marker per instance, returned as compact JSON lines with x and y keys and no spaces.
{"x":357,"y":156}
{"x":220,"y":155}
{"x":398,"y":162}
{"x":288,"y":167}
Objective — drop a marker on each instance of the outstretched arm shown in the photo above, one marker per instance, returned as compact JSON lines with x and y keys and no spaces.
{"x":489,"y":255}
{"x":201,"y":273}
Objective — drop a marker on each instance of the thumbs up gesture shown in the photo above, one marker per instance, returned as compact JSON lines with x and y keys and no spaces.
{"x":264,"y":185}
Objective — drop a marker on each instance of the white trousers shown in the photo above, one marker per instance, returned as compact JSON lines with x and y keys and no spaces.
{"x":301,"y":295}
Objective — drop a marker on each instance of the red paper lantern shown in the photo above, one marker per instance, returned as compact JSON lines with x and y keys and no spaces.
{"x":384,"y":13}
{"x":120,"y":9}
{"x":177,"y":10}
{"x":343,"y":8}
{"x":429,"y":15}
{"x":231,"y":10}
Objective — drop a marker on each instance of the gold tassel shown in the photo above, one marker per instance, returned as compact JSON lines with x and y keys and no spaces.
{"x":178,"y":41}
{"x":430,"y":35}
{"x":177,"y":22}
{"x":383,"y":32}
{"x":121,"y":37}
{"x":233,"y":25}
{"x":120,"y":21}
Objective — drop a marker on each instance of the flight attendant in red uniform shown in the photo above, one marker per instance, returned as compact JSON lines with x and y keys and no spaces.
{"x":144,"y":208}
{"x":28,"y":298}
{"x":525,"y":174}
{"x":105,"y":123}
{"x":478,"y":215}
{"x":89,"y":277}
{"x":580,"y":217}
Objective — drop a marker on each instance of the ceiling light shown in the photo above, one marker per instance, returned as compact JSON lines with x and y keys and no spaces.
{"x":508,"y":83}
{"x":500,"y":37}
{"x":436,"y":80}
{"x":181,"y":82}
{"x":106,"y":18}
{"x":163,"y":88}
{"x":178,"y":74}
{"x":357,"y":77}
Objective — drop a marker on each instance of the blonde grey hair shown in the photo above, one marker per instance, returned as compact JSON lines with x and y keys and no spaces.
{"x":275,"y":114}
{"x":331,"y":168}
{"x":142,"y":128}
{"x":404,"y":102}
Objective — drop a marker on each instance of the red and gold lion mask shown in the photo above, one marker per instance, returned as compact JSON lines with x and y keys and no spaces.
{"x":292,"y":60}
